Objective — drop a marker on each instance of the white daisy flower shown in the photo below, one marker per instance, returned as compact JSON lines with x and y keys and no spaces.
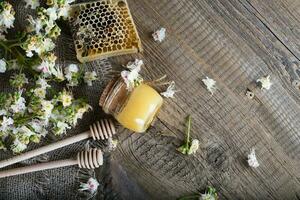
{"x":159,"y":35}
{"x":169,"y":93}
{"x":32,"y":3}
{"x":265,"y":82}
{"x":91,"y":186}
{"x":89,"y":77}
{"x":210,"y":84}
{"x":252,"y":161}
{"x":2,"y":66}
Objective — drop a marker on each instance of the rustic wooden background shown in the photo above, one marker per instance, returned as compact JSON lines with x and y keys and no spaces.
{"x":235,"y":42}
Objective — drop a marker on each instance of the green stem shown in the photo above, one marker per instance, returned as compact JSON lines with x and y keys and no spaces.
{"x":15,"y":45}
{"x":4,"y":46}
{"x":8,"y":49}
{"x":188,"y":130}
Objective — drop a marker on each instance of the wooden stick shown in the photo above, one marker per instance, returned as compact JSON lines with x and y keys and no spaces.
{"x":86,"y":159}
{"x":98,"y":131}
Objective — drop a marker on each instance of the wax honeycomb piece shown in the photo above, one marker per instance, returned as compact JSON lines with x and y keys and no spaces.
{"x":103,"y":29}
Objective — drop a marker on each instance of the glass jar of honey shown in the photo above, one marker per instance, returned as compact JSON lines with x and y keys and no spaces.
{"x":133,"y":109}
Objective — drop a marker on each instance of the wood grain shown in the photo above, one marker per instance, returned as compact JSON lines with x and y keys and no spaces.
{"x":234,"y":42}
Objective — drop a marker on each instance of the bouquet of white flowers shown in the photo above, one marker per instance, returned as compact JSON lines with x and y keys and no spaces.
{"x":34,"y":108}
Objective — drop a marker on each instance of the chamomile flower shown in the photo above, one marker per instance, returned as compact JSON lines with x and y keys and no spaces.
{"x":7,"y":17}
{"x":33,"y":4}
{"x":2,"y":66}
{"x":89,"y":77}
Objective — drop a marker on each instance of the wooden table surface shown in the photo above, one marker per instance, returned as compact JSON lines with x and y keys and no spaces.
{"x":234,"y":42}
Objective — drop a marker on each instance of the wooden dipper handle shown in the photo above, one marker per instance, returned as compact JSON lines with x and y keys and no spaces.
{"x":86,"y":159}
{"x":99,"y":130}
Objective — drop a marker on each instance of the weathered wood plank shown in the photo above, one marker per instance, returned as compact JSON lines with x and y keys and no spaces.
{"x":227,"y":41}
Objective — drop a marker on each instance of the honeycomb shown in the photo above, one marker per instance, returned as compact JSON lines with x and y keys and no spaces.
{"x":103,"y":29}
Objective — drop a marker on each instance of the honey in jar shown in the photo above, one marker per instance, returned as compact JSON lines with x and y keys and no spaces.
{"x":133,"y":109}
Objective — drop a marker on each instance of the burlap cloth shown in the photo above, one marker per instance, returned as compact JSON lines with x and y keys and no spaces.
{"x":61,"y":183}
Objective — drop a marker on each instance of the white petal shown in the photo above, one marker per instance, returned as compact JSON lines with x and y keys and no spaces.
{"x":265,"y":82}
{"x":210,"y":85}
{"x":252,"y":161}
{"x":159,"y":35}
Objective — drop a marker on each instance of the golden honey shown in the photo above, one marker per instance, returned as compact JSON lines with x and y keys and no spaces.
{"x":134,"y":109}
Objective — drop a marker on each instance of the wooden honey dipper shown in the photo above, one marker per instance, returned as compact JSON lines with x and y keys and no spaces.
{"x":86,"y":159}
{"x":100,"y":130}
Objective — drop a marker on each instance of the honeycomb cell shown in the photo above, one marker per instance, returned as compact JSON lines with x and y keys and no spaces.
{"x":109,"y":30}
